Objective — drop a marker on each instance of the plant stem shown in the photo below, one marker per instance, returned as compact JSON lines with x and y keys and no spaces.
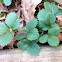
{"x":21,"y":33}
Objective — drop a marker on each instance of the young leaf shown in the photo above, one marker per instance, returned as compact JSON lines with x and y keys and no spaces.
{"x":23,"y":44}
{"x":33,"y":49}
{"x":7,"y":2}
{"x":12,"y":21}
{"x":42,"y":23}
{"x":59,"y":12}
{"x":54,"y":8}
{"x":46,"y":24}
{"x":32,"y":24}
{"x":54,"y":32}
{"x":48,"y":6}
{"x":20,"y":36}
{"x":3,"y":28}
{"x":6,"y":38}
{"x":50,"y":19}
{"x":42,"y":13}
{"x":43,"y":39}
{"x":53,"y":41}
{"x":51,"y":7}
{"x":33,"y":34}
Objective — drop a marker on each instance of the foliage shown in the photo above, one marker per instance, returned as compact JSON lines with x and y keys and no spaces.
{"x":6,"y":2}
{"x":35,"y":28}
{"x":31,"y":46}
{"x":7,"y":30}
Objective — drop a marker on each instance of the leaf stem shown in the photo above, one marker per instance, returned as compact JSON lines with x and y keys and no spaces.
{"x":21,"y":33}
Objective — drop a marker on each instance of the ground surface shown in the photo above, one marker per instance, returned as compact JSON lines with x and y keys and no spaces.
{"x":47,"y":54}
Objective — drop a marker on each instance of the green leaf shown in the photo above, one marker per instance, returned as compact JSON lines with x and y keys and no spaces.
{"x":6,"y":38}
{"x":32,"y":24}
{"x":42,"y":23}
{"x":51,"y":7}
{"x":45,"y":28}
{"x":3,"y":28}
{"x":54,"y":31}
{"x":42,"y":13}
{"x":59,"y":12}
{"x":50,"y":19}
{"x":43,"y":39}
{"x":53,"y":41}
{"x":55,"y":26}
{"x":46,"y":24}
{"x":54,"y":9}
{"x":12,"y":21}
{"x":7,"y":2}
{"x":24,"y":31}
{"x":33,"y":34}
{"x":23,"y":44}
{"x":1,"y":1}
{"x":33,"y":49}
{"x":20,"y":36}
{"x":48,"y":6}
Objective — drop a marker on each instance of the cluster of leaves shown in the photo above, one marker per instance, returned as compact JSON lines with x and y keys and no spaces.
{"x":7,"y":30}
{"x":6,"y":2}
{"x":34,"y":31}
{"x":35,"y":28}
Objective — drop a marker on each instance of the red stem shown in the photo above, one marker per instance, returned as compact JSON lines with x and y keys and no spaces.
{"x":21,"y":33}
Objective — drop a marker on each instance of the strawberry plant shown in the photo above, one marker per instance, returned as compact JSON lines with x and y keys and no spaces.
{"x":36,"y":28}
{"x":7,"y":30}
{"x":31,"y":36}
{"x":49,"y":8}
{"x":39,"y":30}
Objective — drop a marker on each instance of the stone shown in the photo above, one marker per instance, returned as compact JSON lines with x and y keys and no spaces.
{"x":47,"y":54}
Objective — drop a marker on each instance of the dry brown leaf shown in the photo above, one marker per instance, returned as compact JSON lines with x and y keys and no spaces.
{"x":4,"y":9}
{"x":18,"y":13}
{"x":20,"y":26}
{"x":59,"y":7}
{"x":19,"y":29}
{"x":59,"y":21}
{"x":21,"y":19}
{"x":28,"y":9}
{"x":61,"y":29}
{"x":60,"y":37}
{"x":59,"y":17}
{"x":59,"y":1}
{"x":3,"y":17}
{"x":1,"y":47}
